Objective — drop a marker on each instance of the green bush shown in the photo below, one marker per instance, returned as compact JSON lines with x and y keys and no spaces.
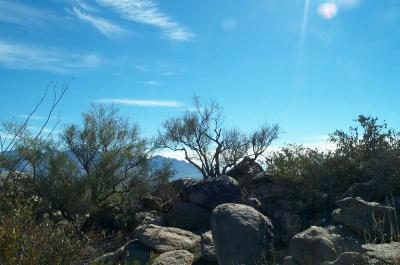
{"x":367,"y":152}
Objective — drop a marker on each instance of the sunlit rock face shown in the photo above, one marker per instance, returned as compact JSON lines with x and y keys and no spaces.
{"x":241,"y":234}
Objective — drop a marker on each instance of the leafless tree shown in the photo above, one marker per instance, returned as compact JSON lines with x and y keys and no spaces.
{"x":208,"y":145}
{"x":16,"y":134}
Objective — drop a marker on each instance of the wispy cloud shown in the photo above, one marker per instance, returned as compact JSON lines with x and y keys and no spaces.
{"x":85,"y":6}
{"x":20,"y":14}
{"x":152,"y":83}
{"x":320,"y":142}
{"x":148,"y":12}
{"x":20,"y":56}
{"x":104,"y":26}
{"x":140,"y":102}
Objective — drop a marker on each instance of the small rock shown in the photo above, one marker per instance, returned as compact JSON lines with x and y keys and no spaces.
{"x":207,"y":247}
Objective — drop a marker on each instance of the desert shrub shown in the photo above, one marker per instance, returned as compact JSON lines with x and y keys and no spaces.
{"x":367,"y":152}
{"x":23,"y":241}
{"x":61,"y":188}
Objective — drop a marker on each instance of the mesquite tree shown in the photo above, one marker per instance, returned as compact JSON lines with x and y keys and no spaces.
{"x":208,"y":145}
{"x":111,"y":153}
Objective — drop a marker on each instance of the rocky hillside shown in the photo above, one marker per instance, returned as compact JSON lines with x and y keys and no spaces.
{"x":227,"y":221}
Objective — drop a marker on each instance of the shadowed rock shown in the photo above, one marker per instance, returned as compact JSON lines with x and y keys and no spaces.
{"x":189,"y":216}
{"x":317,"y":245}
{"x":213,"y":192}
{"x":207,"y":247}
{"x":366,"y":218}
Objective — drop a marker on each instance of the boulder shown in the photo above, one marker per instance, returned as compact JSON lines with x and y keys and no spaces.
{"x":245,"y":171}
{"x":151,"y":203}
{"x":164,"y":239}
{"x":241,"y":234}
{"x":376,"y":189}
{"x":207,"y":247}
{"x":317,"y":245}
{"x":368,"y":219}
{"x":255,"y":203}
{"x":189,"y":216}
{"x":348,"y":258}
{"x":175,"y":257}
{"x":264,"y":185}
{"x":212,"y":192}
{"x":153,"y":217}
{"x":280,"y":203}
{"x":170,"y":190}
{"x":131,"y":253}
{"x":136,"y":253}
{"x":382,"y":254}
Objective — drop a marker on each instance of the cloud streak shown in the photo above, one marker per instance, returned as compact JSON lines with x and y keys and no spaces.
{"x":104,"y":26}
{"x":152,"y":83}
{"x":20,"y":56}
{"x":17,"y":13}
{"x":148,"y":12}
{"x":140,"y":102}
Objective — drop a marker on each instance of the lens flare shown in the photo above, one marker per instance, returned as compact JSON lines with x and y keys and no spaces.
{"x":327,"y":10}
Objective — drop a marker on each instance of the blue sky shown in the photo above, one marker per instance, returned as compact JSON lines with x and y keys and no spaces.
{"x":309,"y":65}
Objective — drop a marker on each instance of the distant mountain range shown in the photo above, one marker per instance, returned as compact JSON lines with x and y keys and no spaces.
{"x":182,"y":168}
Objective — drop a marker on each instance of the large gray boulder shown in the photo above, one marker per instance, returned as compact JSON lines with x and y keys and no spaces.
{"x":164,"y":239}
{"x":241,"y":234}
{"x":368,"y":219}
{"x":189,"y":216}
{"x":212,"y":192}
{"x":317,"y":245}
{"x":176,"y":257}
{"x":207,"y":247}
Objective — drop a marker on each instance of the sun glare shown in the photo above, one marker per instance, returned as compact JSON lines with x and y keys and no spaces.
{"x":327,"y":10}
